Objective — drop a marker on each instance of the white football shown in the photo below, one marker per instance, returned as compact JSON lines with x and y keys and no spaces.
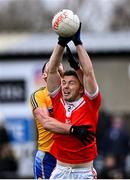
{"x":65,"y":23}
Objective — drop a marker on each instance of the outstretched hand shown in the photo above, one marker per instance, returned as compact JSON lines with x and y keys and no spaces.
{"x":72,"y":61}
{"x":63,"y":41}
{"x":76,"y":38}
{"x":83,"y":133}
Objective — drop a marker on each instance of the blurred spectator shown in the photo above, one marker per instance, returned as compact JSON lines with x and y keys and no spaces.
{"x":116,"y":139}
{"x":103,"y":125}
{"x":4,"y":139}
{"x":115,"y":149}
{"x":127,"y":166}
{"x":8,"y":163}
{"x":112,"y":169}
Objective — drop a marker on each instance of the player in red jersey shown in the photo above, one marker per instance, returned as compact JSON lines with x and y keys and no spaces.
{"x":77,"y":105}
{"x":44,"y":162}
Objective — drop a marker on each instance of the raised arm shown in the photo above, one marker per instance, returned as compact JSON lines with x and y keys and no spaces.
{"x":74,"y":64}
{"x":54,"y":80}
{"x":90,"y":83}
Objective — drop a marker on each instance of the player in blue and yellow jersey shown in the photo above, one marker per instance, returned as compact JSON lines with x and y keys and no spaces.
{"x":42,"y":167}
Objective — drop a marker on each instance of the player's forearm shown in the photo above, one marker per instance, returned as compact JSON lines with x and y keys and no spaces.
{"x":90,"y":83}
{"x":79,"y":73}
{"x":49,"y":123}
{"x":53,"y":75}
{"x":56,"y":126}
{"x":84,"y":60}
{"x":55,"y":58}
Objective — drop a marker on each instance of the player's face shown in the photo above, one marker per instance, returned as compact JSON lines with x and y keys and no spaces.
{"x":71,"y":88}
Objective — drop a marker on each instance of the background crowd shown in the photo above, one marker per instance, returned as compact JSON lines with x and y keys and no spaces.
{"x":113,"y":146}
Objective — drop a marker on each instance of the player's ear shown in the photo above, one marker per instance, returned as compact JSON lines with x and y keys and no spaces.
{"x":44,"y":75}
{"x":81,"y":90}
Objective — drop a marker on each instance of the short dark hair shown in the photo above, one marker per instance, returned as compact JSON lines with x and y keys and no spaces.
{"x":70,"y":73}
{"x":43,"y":68}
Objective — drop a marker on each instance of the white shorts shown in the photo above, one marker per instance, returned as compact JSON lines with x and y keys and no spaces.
{"x":62,"y":172}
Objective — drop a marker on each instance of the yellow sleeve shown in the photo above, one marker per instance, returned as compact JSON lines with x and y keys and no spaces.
{"x":38,"y":99}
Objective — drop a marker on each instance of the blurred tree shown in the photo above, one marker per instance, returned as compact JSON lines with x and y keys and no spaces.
{"x":36,"y":15}
{"x":121,"y":16}
{"x":24,"y":15}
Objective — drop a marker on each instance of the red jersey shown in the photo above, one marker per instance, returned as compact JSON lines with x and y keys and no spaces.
{"x":67,"y":148}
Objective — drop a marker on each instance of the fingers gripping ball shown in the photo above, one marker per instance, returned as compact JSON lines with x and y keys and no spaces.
{"x":65,"y":23}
